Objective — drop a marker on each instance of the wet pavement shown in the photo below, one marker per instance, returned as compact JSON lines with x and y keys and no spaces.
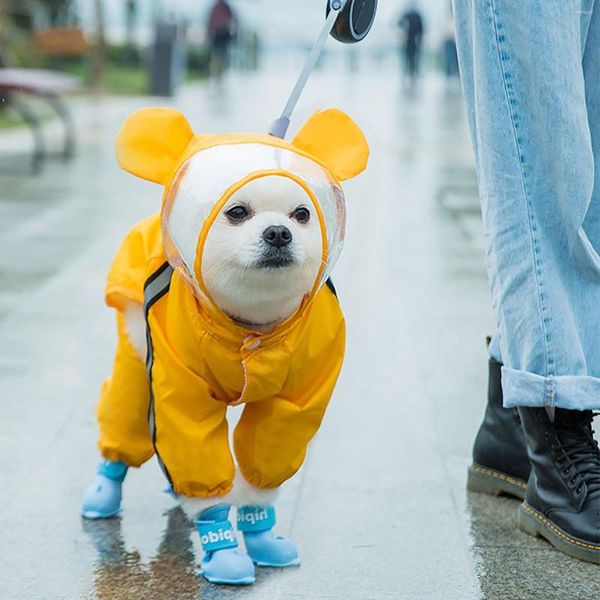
{"x":380,"y":510}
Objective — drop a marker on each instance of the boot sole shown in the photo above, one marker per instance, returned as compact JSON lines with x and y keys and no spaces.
{"x":484,"y":480}
{"x":536,"y":524}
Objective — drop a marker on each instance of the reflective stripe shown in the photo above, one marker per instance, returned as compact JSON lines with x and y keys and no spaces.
{"x":156,"y":287}
{"x":331,"y":287}
{"x":157,"y":284}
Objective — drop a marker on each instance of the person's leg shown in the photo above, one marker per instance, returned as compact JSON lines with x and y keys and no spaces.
{"x":417,"y":58}
{"x":591,"y":222}
{"x":409,"y":56}
{"x":528,"y":106}
{"x":563,"y":504}
{"x":535,"y":167}
{"x":500,"y":463}
{"x":454,"y":58}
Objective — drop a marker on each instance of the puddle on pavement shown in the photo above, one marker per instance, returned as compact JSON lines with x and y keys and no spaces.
{"x":172,"y":573}
{"x":511,"y":564}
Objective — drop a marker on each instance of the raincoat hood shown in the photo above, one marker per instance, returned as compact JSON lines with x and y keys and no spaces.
{"x":200,"y":173}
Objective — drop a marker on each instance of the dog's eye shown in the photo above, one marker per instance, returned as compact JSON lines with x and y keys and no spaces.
{"x":302,"y":215}
{"x":237,"y":214}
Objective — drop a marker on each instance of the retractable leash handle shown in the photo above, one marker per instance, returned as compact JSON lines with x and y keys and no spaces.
{"x":280,"y":126}
{"x":348,"y":21}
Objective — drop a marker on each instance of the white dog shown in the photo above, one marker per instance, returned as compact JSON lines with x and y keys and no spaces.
{"x":222,"y":296}
{"x":263,"y":253}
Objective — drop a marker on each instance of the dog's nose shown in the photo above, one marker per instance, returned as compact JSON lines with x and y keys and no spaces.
{"x":277,"y":235}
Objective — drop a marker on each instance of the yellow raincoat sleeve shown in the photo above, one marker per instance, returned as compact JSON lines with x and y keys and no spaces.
{"x":272,"y":436}
{"x":123,"y":406}
{"x":140,"y":254}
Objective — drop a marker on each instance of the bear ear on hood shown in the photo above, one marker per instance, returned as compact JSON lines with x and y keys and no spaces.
{"x":336,"y":141}
{"x":150,"y":142}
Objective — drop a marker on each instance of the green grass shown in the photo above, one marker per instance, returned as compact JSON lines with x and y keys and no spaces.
{"x":10,"y":119}
{"x":118,"y":79}
{"x":126,"y":80}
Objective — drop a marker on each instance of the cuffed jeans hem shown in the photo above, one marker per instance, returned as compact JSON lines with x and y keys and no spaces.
{"x":572,"y":392}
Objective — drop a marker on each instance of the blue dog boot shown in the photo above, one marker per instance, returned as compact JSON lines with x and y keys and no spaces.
{"x":264,"y":548}
{"x":102,"y":499}
{"x":223,"y":562}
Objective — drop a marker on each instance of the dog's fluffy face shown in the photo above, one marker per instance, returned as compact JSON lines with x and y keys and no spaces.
{"x":263,"y":252}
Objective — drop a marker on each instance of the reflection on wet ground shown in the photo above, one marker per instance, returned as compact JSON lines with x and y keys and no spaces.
{"x":122,"y":573}
{"x":171,"y":573}
{"x":380,"y":510}
{"x":511,"y":564}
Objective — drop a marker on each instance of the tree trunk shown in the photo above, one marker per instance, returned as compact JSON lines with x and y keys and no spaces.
{"x":99,"y":49}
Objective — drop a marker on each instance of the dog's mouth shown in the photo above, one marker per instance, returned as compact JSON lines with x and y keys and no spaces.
{"x":275,"y":258}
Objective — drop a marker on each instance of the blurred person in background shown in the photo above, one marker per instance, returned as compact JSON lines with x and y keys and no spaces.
{"x":411,"y":26}
{"x":131,"y":19}
{"x":530,"y":76}
{"x":449,"y":53}
{"x":221,"y":32}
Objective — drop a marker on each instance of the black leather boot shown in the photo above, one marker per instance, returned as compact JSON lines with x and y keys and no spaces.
{"x":500,"y":461}
{"x":562,"y":503}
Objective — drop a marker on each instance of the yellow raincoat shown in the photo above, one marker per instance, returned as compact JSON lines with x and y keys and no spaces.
{"x":199,"y":360}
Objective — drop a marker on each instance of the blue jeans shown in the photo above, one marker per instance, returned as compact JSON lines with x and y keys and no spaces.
{"x":531,"y":76}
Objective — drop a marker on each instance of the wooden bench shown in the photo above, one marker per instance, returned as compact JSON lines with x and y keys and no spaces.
{"x":49,"y":85}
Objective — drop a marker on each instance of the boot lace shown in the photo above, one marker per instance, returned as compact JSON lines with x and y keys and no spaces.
{"x":578,"y":454}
